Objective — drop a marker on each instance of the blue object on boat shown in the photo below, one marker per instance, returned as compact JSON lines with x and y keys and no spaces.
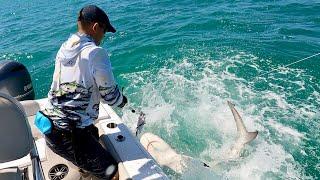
{"x":43,"y":123}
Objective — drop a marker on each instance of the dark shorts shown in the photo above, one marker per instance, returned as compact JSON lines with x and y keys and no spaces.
{"x":82,"y":148}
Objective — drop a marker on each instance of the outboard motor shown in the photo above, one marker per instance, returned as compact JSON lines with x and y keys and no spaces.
{"x":15,"y":80}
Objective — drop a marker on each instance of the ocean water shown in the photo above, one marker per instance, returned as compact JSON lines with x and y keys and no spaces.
{"x":180,"y":61}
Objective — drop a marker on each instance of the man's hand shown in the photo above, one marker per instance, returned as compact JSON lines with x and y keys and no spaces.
{"x":124,"y":102}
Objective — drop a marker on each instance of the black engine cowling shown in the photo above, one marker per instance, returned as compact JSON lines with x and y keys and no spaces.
{"x":15,"y":80}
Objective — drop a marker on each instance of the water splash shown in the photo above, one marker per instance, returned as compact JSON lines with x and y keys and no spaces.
{"x":185,"y":103}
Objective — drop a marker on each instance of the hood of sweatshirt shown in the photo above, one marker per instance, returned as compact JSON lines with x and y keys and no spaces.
{"x":72,"y":47}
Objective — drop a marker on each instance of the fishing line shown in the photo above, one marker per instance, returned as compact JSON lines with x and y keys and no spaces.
{"x":275,"y":69}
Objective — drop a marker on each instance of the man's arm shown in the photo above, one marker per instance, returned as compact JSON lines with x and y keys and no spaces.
{"x":103,"y":76}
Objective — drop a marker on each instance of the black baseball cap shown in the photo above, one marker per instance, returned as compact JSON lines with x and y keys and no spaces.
{"x":92,"y":13}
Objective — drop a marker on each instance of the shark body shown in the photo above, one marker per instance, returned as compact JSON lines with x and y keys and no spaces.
{"x":168,"y":157}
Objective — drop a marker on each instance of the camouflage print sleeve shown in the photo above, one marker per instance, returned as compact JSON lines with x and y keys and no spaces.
{"x":103,"y":76}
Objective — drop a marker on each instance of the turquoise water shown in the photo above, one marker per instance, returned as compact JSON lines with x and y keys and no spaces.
{"x":180,"y":61}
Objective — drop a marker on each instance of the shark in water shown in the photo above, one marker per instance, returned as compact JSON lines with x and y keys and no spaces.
{"x":168,"y":157}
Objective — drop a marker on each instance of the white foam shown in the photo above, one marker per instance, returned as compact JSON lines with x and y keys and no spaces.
{"x":286,"y":131}
{"x":278,"y":98}
{"x":195,"y":92}
{"x":267,"y":158}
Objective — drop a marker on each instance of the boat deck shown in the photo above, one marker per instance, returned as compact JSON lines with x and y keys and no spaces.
{"x":134,"y":161}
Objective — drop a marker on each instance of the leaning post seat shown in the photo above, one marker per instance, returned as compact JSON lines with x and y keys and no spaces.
{"x":16,"y":140}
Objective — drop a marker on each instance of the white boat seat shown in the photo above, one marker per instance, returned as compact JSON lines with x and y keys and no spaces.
{"x":15,"y":138}
{"x":15,"y":133}
{"x":26,"y":160}
{"x":10,"y":174}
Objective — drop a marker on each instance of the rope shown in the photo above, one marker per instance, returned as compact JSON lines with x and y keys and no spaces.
{"x":275,"y":69}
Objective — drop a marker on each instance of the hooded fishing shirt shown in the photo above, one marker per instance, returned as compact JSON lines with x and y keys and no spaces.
{"x":82,"y":76}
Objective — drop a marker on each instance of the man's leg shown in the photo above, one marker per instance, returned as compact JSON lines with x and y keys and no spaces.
{"x":59,"y":141}
{"x":84,"y":151}
{"x":91,"y":156}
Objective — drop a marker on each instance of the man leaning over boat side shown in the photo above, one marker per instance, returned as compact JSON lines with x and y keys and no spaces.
{"x":82,"y":77}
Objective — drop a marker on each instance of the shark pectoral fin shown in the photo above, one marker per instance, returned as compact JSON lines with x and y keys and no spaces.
{"x":250,"y":136}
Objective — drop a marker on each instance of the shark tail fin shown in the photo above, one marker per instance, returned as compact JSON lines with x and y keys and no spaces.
{"x":243,"y":133}
{"x":250,"y":136}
